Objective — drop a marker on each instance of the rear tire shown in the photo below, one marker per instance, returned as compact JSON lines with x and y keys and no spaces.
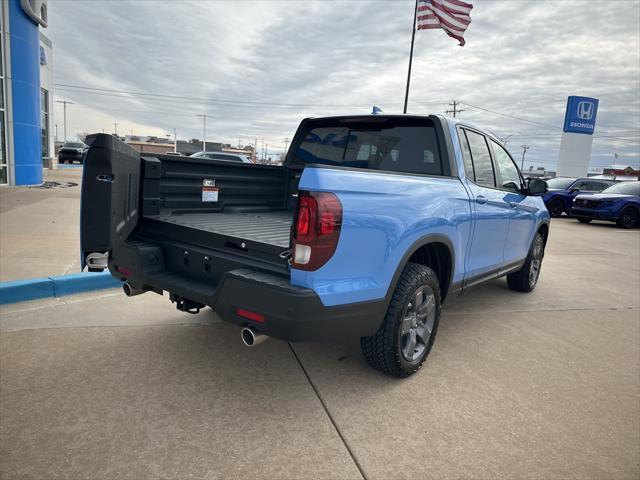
{"x":408,"y":331}
{"x":556,"y":207}
{"x":584,"y":219}
{"x":628,"y":218}
{"x":526,"y":279}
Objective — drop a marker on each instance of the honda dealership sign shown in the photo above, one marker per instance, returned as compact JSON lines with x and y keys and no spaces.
{"x":580,"y":116}
{"x":577,"y":139}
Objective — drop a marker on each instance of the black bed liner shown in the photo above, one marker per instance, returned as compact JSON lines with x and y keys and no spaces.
{"x":270,"y":228}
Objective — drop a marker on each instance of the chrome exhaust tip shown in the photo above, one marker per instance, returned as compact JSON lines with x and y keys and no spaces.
{"x":130,"y":291}
{"x":251,"y":338}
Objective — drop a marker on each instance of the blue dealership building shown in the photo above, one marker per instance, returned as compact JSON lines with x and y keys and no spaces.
{"x":25,"y":106}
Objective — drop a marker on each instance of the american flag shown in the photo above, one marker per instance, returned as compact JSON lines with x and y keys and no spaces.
{"x":450,"y":15}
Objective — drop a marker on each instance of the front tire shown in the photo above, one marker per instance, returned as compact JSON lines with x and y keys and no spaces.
{"x":584,"y":219}
{"x":408,"y":331}
{"x":526,"y":279}
{"x":628,"y":218}
{"x":556,"y":207}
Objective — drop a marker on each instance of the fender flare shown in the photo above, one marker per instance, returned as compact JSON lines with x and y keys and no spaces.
{"x":415,"y":246}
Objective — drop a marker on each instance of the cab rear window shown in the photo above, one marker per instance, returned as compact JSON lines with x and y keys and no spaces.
{"x":409,"y":148}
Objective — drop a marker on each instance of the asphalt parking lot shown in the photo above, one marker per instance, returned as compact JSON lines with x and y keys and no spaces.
{"x":541,"y":385}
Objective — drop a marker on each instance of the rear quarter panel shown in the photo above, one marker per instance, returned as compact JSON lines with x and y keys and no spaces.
{"x":384,"y":215}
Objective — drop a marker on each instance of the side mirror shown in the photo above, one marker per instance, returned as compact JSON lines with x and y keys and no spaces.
{"x":536,"y":187}
{"x":574,"y":190}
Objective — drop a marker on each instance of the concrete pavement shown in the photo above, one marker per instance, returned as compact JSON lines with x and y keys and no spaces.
{"x":542,"y":385}
{"x":39,"y":228}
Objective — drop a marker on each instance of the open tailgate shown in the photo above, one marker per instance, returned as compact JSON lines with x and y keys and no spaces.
{"x":109,"y":208}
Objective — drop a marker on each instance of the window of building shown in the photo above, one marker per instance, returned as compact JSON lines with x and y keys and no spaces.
{"x":44,"y":121}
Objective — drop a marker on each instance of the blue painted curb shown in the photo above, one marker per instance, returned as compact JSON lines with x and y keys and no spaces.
{"x":22,"y":290}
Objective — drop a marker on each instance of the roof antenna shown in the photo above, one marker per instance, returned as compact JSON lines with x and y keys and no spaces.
{"x":376,"y":110}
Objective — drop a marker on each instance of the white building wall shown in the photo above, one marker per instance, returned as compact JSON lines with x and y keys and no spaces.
{"x":575,"y":155}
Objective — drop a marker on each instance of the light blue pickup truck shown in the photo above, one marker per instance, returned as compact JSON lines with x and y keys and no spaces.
{"x":368,"y":226}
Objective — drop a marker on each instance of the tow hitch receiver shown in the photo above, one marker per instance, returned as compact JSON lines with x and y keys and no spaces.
{"x":185,"y":305}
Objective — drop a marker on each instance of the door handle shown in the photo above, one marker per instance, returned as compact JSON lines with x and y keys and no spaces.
{"x":481,"y":200}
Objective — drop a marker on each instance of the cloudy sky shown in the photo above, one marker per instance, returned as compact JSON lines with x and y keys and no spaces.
{"x":258,"y":68}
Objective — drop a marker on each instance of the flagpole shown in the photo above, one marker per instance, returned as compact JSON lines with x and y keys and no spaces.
{"x":413,"y":37}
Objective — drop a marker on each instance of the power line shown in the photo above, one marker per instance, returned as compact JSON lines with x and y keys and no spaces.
{"x":512,"y":116}
{"x":209,"y":100}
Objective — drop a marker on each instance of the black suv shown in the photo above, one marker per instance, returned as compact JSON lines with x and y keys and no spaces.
{"x":72,"y":152}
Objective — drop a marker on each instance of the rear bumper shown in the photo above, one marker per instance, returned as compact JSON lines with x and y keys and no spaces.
{"x":290,"y":313}
{"x":70,"y":156}
{"x":597,"y":214}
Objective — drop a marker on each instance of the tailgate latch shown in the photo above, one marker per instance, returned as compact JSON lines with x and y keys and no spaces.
{"x":97,"y":260}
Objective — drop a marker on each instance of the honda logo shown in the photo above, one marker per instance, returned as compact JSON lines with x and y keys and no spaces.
{"x":585,"y":110}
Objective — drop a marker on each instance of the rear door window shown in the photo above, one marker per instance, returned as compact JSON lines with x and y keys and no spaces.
{"x":482,"y":165}
{"x":581,"y":186}
{"x":596,"y":186}
{"x":466,"y":156}
{"x":400,"y":148}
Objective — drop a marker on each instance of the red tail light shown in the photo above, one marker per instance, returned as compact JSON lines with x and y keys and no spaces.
{"x":317,"y":229}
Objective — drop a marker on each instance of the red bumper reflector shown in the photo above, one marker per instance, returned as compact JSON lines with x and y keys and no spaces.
{"x":256,"y":317}
{"x":124,"y":271}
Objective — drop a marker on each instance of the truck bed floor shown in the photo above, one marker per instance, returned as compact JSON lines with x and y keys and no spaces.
{"x":272,"y":228}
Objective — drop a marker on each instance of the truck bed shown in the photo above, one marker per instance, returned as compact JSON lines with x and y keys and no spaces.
{"x":271,"y":228}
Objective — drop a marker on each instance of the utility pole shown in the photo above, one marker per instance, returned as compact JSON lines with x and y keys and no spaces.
{"x":286,"y":145}
{"x":65,"y":103}
{"x":262,"y":151}
{"x":204,"y":130}
{"x":524,"y":152}
{"x":115,"y":128}
{"x":255,"y":149}
{"x":175,"y":141}
{"x":505,"y":140}
{"x":455,"y":110}
{"x":131,"y":132}
{"x":266,"y":148}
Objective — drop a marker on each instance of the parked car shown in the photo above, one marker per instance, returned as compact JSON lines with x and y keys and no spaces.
{"x":619,"y":203}
{"x":227,"y":157}
{"x":562,"y":191}
{"x":367,"y":227}
{"x":72,"y":152}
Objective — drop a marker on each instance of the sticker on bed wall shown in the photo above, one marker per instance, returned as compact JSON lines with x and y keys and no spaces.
{"x":209,"y":190}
